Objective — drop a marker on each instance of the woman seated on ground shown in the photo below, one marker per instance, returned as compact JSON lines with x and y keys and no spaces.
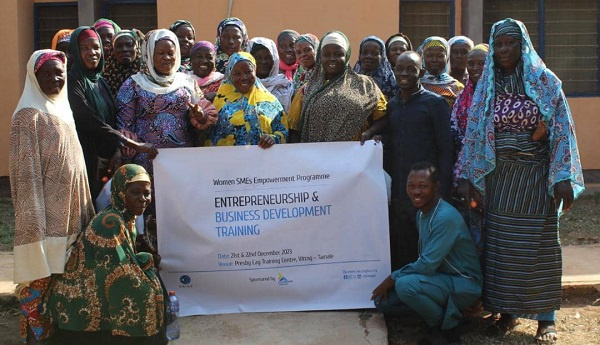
{"x":248,"y":113}
{"x":336,"y":104}
{"x":186,"y":35}
{"x":372,"y":61}
{"x":125,"y":60}
{"x":460,"y":46}
{"x":118,"y":299}
{"x":203,"y":56}
{"x":305,"y":48}
{"x":232,"y":37}
{"x":435,"y":53}
{"x":267,"y":70}
{"x":396,"y":45}
{"x":288,"y":64}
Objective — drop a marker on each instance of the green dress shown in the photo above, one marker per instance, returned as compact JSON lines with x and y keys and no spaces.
{"x":106,"y":285}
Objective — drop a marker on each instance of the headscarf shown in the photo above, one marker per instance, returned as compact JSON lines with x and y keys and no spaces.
{"x":150,"y":80}
{"x":60,"y":36}
{"x":125,"y":175}
{"x":185,"y":62}
{"x":106,"y":23}
{"x":34,"y":97}
{"x":276,"y":83}
{"x":336,"y":109}
{"x":89,"y":77}
{"x":459,"y":39}
{"x":213,"y":76}
{"x":544,"y":88}
{"x":235,"y":107}
{"x":303,"y":74}
{"x":443,"y":78}
{"x":288,"y":69}
{"x":116,"y":73}
{"x":222,"y":57}
{"x":399,"y":37}
{"x":383,"y":74}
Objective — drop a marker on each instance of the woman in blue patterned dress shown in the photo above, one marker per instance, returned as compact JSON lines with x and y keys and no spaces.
{"x":520,"y":153}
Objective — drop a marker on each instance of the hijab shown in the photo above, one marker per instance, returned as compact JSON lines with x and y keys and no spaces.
{"x":222,"y":57}
{"x":125,"y":175}
{"x":288,"y":69}
{"x":399,"y":37}
{"x":303,"y":74}
{"x":34,"y":97}
{"x":153,"y":82}
{"x":443,"y":78}
{"x":103,"y":23}
{"x":63,"y":35}
{"x":544,"y":88}
{"x":185,"y":62}
{"x":276,"y":82}
{"x":383,"y":75}
{"x":116,"y":73}
{"x":89,"y":77}
{"x":213,"y":76}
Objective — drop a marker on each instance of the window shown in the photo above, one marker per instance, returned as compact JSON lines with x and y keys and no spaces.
{"x":138,"y":14}
{"x":564,"y":33}
{"x":51,"y":17}
{"x":425,"y":18}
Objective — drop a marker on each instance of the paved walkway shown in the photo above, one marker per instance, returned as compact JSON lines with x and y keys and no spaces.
{"x":581,"y":267}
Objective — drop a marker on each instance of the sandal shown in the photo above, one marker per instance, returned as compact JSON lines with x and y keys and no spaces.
{"x":504,"y":325}
{"x":546,"y":332}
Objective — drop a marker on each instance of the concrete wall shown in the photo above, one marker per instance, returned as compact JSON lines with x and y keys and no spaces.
{"x":267,"y":18}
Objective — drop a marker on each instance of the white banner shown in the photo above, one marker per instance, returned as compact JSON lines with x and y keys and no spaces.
{"x":294,"y":227}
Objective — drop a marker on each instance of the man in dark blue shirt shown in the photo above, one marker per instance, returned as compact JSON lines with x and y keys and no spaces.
{"x":417,"y":124}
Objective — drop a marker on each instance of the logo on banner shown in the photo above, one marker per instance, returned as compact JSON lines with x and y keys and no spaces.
{"x":281,"y":280}
{"x":185,"y":281}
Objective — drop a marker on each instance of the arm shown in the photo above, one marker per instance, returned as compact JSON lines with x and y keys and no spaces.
{"x":436,"y":248}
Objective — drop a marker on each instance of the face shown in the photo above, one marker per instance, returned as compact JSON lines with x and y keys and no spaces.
{"x":186,"y":38}
{"x":421,"y":190}
{"x":395,"y":49}
{"x":203,"y":62}
{"x":507,"y":52}
{"x":305,"y":54}
{"x":333,"y":58}
{"x":124,"y":50}
{"x":137,"y":197}
{"x":164,"y":57}
{"x":370,"y":56}
{"x":475,"y":63}
{"x":106,"y":36}
{"x":285,"y":47}
{"x":435,"y":60}
{"x":90,"y":51}
{"x":231,"y":39}
{"x":458,"y":55}
{"x":243,"y":76}
{"x":64,"y":47}
{"x":408,"y":71}
{"x":264,"y":63}
{"x":51,"y":77}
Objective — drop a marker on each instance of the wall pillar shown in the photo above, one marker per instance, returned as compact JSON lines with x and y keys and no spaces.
{"x":472,"y":20}
{"x":89,"y":11}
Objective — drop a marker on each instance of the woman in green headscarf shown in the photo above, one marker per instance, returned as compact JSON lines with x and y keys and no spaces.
{"x":109,"y":293}
{"x":94,"y":109}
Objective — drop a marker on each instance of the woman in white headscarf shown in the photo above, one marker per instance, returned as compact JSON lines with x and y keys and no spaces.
{"x":50,"y":192}
{"x":265,"y":53}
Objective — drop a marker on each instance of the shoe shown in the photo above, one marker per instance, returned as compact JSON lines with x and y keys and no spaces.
{"x":546,"y":332}
{"x":503,"y":326}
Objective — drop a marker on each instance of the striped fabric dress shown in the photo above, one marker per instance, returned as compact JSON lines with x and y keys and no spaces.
{"x":522,"y":259}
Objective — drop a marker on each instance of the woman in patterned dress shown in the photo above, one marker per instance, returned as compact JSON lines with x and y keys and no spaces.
{"x":520,"y":154}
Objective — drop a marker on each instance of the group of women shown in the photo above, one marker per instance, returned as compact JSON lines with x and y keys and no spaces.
{"x":129,"y":94}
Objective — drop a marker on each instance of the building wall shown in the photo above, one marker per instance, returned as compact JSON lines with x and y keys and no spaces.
{"x":357,"y":20}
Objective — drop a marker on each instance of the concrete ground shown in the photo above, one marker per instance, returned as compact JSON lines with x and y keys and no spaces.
{"x":581,"y":270}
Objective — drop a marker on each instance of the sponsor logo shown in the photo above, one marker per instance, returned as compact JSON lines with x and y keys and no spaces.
{"x":282,"y":280}
{"x":186,"y":281}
